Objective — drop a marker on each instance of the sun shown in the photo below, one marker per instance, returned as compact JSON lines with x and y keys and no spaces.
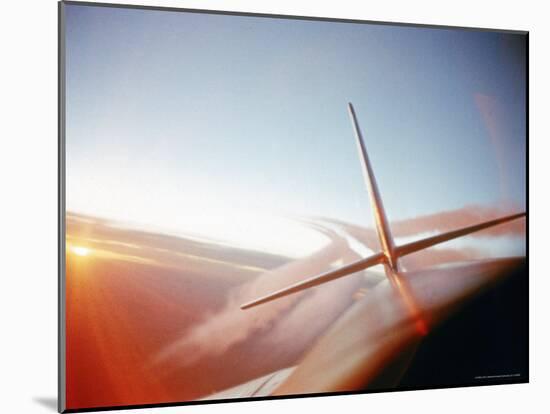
{"x":80,"y":250}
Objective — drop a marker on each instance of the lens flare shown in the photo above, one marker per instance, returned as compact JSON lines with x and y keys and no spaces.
{"x":80,"y":250}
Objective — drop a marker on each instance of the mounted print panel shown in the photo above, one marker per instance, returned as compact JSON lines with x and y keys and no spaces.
{"x":256,"y":206}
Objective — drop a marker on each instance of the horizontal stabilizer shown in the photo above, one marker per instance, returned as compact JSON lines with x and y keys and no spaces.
{"x":380,"y":258}
{"x":320,"y":279}
{"x":442,"y":238}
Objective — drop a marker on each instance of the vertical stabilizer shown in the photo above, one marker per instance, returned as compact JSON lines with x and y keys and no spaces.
{"x":380,"y":218}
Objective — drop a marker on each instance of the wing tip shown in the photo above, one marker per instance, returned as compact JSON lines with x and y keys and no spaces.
{"x":255,"y":302}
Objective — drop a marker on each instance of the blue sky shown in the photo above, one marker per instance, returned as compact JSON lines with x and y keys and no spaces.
{"x":177,"y":118}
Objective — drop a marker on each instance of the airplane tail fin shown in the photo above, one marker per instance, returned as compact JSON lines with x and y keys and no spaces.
{"x":381,"y":220}
{"x":390,"y":253}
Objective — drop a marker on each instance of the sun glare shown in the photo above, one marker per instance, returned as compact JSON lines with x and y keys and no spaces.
{"x":80,"y":250}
